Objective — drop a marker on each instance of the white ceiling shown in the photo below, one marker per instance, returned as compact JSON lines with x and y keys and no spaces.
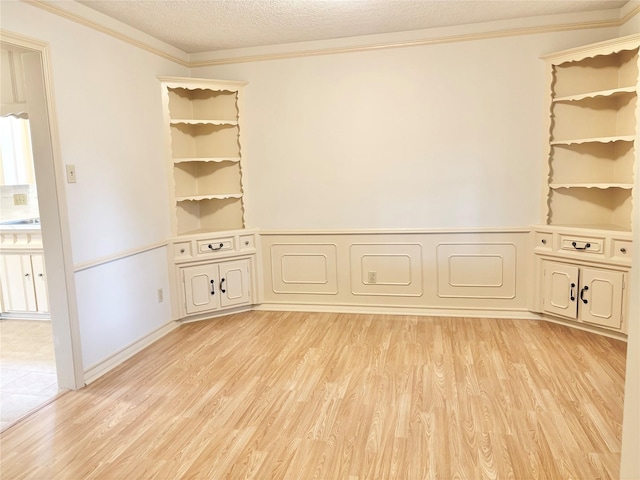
{"x":209,"y":25}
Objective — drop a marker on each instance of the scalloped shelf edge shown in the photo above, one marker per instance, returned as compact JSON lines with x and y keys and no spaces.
{"x":601,"y":186}
{"x":194,"y":121}
{"x":631,"y":90}
{"x":179,"y":160}
{"x":198,"y":198}
{"x":579,"y":141}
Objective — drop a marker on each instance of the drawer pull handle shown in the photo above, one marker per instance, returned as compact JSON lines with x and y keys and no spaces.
{"x":584,"y":289}
{"x":623,"y":250}
{"x":213,"y":291}
{"x":216,"y":248}
{"x":222,"y":285}
{"x":586,"y":246}
{"x":571,"y":294}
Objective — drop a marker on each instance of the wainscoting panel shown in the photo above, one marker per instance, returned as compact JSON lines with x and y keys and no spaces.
{"x":304,"y":268}
{"x":457,"y":272}
{"x":386,"y":269}
{"x":476,"y":270}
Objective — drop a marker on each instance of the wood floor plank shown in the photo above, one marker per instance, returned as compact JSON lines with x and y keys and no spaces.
{"x":286,"y":395}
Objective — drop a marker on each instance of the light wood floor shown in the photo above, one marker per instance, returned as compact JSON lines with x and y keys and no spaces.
{"x":268,"y":395}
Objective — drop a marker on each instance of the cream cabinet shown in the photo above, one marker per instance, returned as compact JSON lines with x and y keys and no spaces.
{"x":212,"y":287}
{"x":582,"y":276}
{"x":586,"y":294}
{"x":24,"y":284}
{"x":213,"y":273}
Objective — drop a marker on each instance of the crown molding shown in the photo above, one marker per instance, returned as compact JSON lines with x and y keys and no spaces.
{"x":102,"y":23}
{"x":465,"y":37}
{"x":531,"y":26}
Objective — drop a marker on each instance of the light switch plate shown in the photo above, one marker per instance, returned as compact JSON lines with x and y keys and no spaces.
{"x":71,"y":173}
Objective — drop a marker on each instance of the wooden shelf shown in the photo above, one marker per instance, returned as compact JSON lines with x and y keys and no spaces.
{"x":206,"y":159}
{"x":209,"y":214}
{"x":193,"y":121}
{"x":197,"y":198}
{"x":601,"y":93}
{"x":594,"y":226}
{"x":602,"y":186}
{"x":579,"y":141}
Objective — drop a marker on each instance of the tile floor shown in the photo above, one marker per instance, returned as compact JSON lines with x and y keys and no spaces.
{"x":27,"y":367}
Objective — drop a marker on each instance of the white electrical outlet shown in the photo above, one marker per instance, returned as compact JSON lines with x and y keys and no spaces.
{"x":20,"y":199}
{"x":373,"y":277}
{"x":160,"y":296}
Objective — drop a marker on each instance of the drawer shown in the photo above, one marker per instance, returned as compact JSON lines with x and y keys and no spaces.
{"x":544,"y":241}
{"x":247,"y":242}
{"x":621,"y":249}
{"x":215,"y":245}
{"x":575,"y":243}
{"x":182,"y":250}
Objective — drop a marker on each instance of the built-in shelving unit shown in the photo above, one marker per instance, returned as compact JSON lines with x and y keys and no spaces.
{"x":203,"y":117}
{"x":594,"y":103}
{"x":213,"y":255}
{"x":583,"y":254}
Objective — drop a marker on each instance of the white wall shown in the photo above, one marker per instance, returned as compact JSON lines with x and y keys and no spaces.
{"x":432,"y":136}
{"x":125,"y":307}
{"x":109,"y":119}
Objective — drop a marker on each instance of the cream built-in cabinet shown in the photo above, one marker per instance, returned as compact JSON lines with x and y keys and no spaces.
{"x":22,"y":274}
{"x":583,"y":253}
{"x":214,"y":286}
{"x":203,"y":125}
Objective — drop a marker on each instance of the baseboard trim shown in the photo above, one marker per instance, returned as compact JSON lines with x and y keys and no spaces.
{"x":585,"y":327}
{"x":429,"y":312}
{"x":30,"y":317}
{"x":95,"y":371}
{"x":212,"y":315}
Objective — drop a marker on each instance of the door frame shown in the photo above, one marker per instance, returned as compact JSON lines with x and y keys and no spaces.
{"x":52,"y":202}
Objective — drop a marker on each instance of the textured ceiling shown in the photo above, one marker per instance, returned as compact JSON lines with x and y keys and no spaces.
{"x":209,"y":25}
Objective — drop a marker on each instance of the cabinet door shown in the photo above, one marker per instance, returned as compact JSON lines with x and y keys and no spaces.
{"x":17,"y":283}
{"x":601,"y":297}
{"x":234,"y":283}
{"x":201,"y":288}
{"x":560,"y":289}
{"x":40,"y":283}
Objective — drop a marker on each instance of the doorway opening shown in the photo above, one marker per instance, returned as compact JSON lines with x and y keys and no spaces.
{"x":38,"y":323}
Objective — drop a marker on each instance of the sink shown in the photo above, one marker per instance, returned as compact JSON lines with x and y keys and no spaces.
{"x":23,"y":221}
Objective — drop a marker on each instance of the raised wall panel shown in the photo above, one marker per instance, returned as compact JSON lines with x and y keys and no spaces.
{"x":476,"y":270}
{"x":304,"y":268}
{"x":397,"y":270}
{"x":386,"y":269}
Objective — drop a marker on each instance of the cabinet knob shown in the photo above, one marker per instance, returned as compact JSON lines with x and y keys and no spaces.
{"x":27,"y":274}
{"x":40,"y":275}
{"x":544,"y":241}
{"x":623,"y":250}
{"x":182,"y":250}
{"x":246,"y":242}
